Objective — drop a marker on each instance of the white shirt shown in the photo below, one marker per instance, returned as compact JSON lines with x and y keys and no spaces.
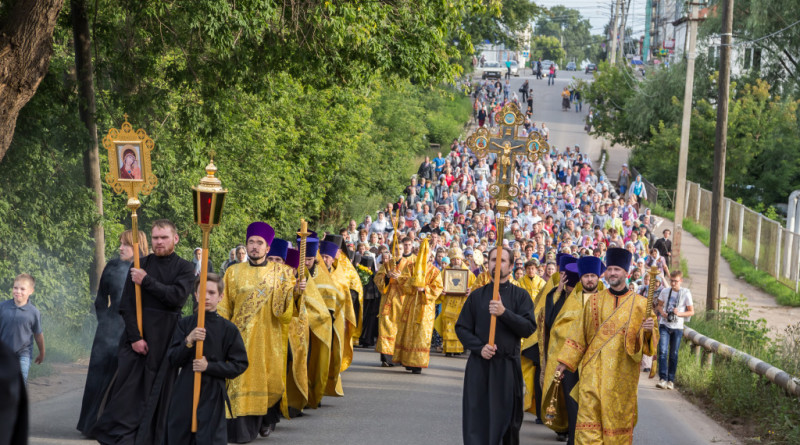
{"x":681,"y":299}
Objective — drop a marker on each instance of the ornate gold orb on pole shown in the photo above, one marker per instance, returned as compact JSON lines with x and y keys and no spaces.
{"x":130,"y":173}
{"x":507,"y":145}
{"x":209,"y":197}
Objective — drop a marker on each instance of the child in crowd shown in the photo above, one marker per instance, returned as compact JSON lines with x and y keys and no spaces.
{"x":21,"y":324}
{"x":224,"y":357}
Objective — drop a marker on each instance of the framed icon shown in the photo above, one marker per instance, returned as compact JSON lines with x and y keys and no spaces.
{"x":129,"y":160}
{"x":456,"y":281}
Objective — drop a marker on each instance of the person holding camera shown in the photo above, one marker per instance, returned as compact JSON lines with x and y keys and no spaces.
{"x":675,"y":306}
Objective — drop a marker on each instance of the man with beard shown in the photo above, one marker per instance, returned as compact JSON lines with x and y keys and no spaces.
{"x":138,"y":401}
{"x":257,"y":298}
{"x":390,"y":278}
{"x":415,"y":323}
{"x":587,"y":270}
{"x":605,"y":347}
{"x":492,"y":404}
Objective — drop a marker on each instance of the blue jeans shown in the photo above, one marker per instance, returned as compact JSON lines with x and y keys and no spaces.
{"x":668,"y":343}
{"x":25,"y":365}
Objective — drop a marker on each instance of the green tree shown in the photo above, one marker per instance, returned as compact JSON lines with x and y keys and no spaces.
{"x":567,"y":23}
{"x":500,"y":21}
{"x":544,"y":47}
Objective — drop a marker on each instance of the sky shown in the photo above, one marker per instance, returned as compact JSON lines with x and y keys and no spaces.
{"x":599,"y":12}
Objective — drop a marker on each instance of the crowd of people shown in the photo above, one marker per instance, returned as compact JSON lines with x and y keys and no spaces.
{"x":284,"y":316}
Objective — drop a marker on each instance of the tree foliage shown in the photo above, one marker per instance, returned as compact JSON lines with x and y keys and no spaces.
{"x":763,"y":132}
{"x":313,"y":110}
{"x":544,"y":47}
{"x":567,"y":23}
{"x":500,"y":21}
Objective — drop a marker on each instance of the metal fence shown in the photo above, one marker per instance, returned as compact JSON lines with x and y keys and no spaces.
{"x":760,"y":240}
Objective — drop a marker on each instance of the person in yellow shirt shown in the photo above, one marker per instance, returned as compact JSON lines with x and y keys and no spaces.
{"x":529,"y":359}
{"x":451,"y":308}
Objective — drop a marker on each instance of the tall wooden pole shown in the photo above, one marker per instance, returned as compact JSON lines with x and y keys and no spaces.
{"x":201,"y":323}
{"x":502,"y":208}
{"x":720,"y":149}
{"x":133,"y":204}
{"x":683,"y":155}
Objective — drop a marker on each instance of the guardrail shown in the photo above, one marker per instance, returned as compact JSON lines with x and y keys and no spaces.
{"x":775,"y":375}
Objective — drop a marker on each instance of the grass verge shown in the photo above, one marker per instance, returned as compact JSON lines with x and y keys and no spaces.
{"x":62,"y":344}
{"x":740,"y":266}
{"x":729,"y":389}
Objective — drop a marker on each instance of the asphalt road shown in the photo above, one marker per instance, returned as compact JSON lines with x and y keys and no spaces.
{"x":391,"y":406}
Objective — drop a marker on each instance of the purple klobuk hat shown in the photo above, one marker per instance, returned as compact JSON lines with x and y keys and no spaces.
{"x":278,"y":248}
{"x":261,"y":229}
{"x":328,"y":248}
{"x":312,"y":245}
{"x":573,"y":276}
{"x":590,"y":264}
{"x":619,"y":257}
{"x":564,"y":260}
{"x":293,"y":258}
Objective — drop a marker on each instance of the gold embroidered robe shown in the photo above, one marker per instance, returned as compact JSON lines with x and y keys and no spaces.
{"x":391,"y":302}
{"x":562,"y":327}
{"x":344,"y":275}
{"x":415,"y":325}
{"x":605,"y":346}
{"x":258,"y":300}
{"x":445,"y":323}
{"x":309,"y":341}
{"x":336,"y":303}
{"x":533,"y":286}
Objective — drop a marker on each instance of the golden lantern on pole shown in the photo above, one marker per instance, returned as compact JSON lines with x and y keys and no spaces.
{"x":209,"y":197}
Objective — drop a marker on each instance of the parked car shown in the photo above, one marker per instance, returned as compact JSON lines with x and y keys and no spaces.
{"x":546,"y":65}
{"x":572,"y":66}
{"x":492,"y":69}
{"x":514,"y":68}
{"x":591,"y":68}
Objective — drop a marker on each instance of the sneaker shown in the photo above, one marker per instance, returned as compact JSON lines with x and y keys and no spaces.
{"x":670,"y":385}
{"x":662,"y":384}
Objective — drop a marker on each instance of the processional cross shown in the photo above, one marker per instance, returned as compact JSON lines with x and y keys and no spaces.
{"x":507,"y":146}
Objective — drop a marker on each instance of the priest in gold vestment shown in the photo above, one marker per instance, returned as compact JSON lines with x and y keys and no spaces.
{"x":605,"y":346}
{"x":309,"y":343}
{"x":390,"y":278}
{"x":532,"y":283}
{"x":258,"y":299}
{"x":344,"y":275}
{"x":415,"y":326}
{"x":451,"y":307}
{"x":582,"y":277}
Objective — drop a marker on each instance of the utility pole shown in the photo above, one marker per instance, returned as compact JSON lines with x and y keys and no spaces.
{"x":613,"y":57}
{"x":648,"y":12}
{"x":680,"y":193}
{"x":720,"y":149}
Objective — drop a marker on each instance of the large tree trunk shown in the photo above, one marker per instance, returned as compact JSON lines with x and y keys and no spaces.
{"x":26,"y":34}
{"x":91,"y":156}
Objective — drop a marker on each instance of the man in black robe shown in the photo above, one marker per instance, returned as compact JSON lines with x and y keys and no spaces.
{"x":372,"y":300}
{"x":224,"y":357}
{"x":14,"y":398}
{"x":492,"y":404}
{"x":136,"y":407}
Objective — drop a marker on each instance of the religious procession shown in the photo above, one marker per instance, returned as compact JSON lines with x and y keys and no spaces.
{"x":506,"y":252}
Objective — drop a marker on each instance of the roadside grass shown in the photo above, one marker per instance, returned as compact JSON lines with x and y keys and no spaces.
{"x":731,"y":389}
{"x":63,"y":344}
{"x":740,"y":266}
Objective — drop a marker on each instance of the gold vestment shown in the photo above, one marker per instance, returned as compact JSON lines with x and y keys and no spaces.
{"x":415,"y":324}
{"x":605,"y":346}
{"x":258,"y":300}
{"x":391,"y":302}
{"x":445,"y":323}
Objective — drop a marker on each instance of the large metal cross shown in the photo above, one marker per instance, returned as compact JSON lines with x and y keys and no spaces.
{"x":507,"y":145}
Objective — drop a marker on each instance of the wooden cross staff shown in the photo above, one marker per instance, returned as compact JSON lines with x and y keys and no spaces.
{"x":507,"y":146}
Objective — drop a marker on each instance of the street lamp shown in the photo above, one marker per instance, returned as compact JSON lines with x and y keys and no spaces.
{"x":209,"y":197}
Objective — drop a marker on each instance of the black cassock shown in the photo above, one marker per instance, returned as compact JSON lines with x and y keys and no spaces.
{"x":492,"y":404}
{"x":13,"y":400}
{"x":103,"y":361}
{"x":372,"y":302}
{"x":136,"y":407}
{"x":224,"y":350}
